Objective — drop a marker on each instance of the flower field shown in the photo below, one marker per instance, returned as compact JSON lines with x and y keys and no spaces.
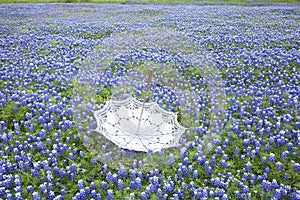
{"x":235,"y":83}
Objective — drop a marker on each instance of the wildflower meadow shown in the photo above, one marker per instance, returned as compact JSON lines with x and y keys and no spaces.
{"x":230,"y":73}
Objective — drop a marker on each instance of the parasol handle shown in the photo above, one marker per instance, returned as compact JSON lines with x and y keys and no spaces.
{"x":146,"y":92}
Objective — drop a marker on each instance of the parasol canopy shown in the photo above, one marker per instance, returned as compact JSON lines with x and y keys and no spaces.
{"x":119,"y":122}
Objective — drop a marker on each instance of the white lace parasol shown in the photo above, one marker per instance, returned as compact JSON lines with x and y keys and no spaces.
{"x":118,"y":121}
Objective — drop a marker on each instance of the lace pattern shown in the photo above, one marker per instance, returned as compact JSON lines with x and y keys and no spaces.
{"x":118,"y":121}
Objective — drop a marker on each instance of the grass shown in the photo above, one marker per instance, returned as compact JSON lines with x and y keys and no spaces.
{"x":143,"y":1}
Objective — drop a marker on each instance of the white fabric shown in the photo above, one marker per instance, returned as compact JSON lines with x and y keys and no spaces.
{"x":118,"y":121}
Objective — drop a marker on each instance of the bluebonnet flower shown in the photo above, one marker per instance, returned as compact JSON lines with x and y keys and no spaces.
{"x":71,"y":156}
{"x":179,"y":173}
{"x":120,"y":184}
{"x":195,"y":174}
{"x":263,"y":160}
{"x":143,"y":196}
{"x":43,"y":188}
{"x":237,"y":195}
{"x":10,"y":197}
{"x":94,"y":161}
{"x":103,"y":186}
{"x":110,"y":195}
{"x":108,"y":156}
{"x":267,"y":148}
{"x":80,"y":185}
{"x":81,"y":154}
{"x":254,"y":153}
{"x":30,"y":189}
{"x":267,"y":170}
{"x":297,"y":167}
{"x":40,"y":146}
{"x":285,"y":177}
{"x":19,"y":196}
{"x":63,"y":149}
{"x":274,"y":184}
{"x":186,"y":161}
{"x":48,"y":141}
{"x":190,"y":168}
{"x":248,"y":166}
{"x":63,"y":191}
{"x":284,"y":155}
{"x":279,"y":166}
{"x":295,"y":195}
{"x":49,"y":176}
{"x":50,"y":195}
{"x":28,"y":116}
{"x":87,"y":191}
{"x":277,"y":194}
{"x":219,"y":150}
{"x":271,"y":157}
{"x":36,"y":196}
{"x":93,"y":194}
{"x":220,"y":192}
{"x":208,"y":170}
{"x":2,"y":191}
{"x":122,"y":172}
{"x":82,"y":194}
{"x":185,"y":170}
{"x":213,"y":160}
{"x":61,"y":173}
{"x":140,"y":174}
{"x":73,"y":168}
{"x":114,"y":179}
{"x":74,"y":151}
{"x":132,"y":185}
{"x":168,"y":188}
{"x":93,"y":186}
{"x":105,"y":169}
{"x":18,"y":180}
{"x":237,"y":151}
{"x":266,"y":186}
{"x":243,"y":157}
{"x":42,"y":134}
{"x":71,"y":175}
{"x":138,"y":183}
{"x":290,"y":147}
